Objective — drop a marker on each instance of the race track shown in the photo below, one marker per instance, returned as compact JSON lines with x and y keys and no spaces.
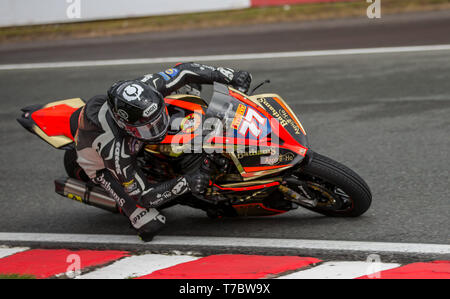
{"x":384,"y":115}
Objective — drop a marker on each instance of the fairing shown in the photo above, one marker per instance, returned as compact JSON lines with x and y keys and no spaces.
{"x":263,"y":133}
{"x":51,"y":122}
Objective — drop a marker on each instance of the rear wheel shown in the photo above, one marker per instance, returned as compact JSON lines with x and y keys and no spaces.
{"x":337,"y":190}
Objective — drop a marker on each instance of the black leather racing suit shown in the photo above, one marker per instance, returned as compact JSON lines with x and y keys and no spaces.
{"x":108,"y":155}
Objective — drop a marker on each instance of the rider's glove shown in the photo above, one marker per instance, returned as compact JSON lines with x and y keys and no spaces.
{"x":241,"y":81}
{"x":198,"y":181}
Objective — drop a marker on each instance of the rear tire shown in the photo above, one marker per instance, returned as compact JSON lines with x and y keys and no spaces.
{"x":325,"y":176}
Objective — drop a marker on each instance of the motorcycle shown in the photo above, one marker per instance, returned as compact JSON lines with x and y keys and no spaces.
{"x":256,"y":150}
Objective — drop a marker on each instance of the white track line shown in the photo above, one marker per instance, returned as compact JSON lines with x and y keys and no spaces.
{"x":231,"y":242}
{"x":6,"y":251}
{"x":341,"y":270}
{"x":136,"y":266}
{"x":68,"y":64}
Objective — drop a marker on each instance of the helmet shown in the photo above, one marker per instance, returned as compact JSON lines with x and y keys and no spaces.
{"x":139,"y":109}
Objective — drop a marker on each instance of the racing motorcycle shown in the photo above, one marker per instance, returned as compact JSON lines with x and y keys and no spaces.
{"x":257,"y":151}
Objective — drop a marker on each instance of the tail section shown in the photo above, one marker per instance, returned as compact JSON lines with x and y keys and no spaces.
{"x":51,"y":122}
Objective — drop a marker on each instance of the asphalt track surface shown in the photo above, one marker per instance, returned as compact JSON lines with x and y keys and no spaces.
{"x":384,"y":115}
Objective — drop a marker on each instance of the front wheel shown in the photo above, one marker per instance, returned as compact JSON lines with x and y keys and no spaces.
{"x":336,"y":189}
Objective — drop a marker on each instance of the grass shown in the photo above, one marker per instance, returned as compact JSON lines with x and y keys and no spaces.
{"x":16,"y":276}
{"x":260,"y":15}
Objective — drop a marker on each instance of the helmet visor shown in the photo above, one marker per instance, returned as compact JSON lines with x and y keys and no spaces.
{"x":152,"y":131}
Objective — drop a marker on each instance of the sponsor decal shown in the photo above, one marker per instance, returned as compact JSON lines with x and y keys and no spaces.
{"x":281,"y":115}
{"x":290,"y":121}
{"x":252,"y":123}
{"x":190,"y":123}
{"x":238,"y":116}
{"x":123,"y":114}
{"x":141,"y":217}
{"x":167,"y":78}
{"x":278,"y":159}
{"x":180,"y":187}
{"x":203,"y":67}
{"x":117,"y":158}
{"x":255,"y":152}
{"x":150,"y":110}
{"x":132,"y":92}
{"x":172,"y":72}
{"x":130,"y":186}
{"x":74,"y":197}
{"x":160,"y":198}
{"x":138,"y":216}
{"x":107,"y":186}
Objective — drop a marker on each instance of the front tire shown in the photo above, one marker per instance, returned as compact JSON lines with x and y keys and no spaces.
{"x":339,"y":191}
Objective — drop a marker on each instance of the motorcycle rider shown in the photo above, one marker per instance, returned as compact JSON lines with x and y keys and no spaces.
{"x":112,"y":129}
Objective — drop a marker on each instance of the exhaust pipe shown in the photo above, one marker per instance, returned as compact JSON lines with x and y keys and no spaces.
{"x":87,"y":194}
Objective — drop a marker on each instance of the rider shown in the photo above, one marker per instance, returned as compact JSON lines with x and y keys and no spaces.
{"x":112,"y":129}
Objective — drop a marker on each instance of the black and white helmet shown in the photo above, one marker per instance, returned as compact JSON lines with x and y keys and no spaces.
{"x":139,"y":109}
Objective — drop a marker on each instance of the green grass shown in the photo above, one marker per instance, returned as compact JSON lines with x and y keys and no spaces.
{"x":16,"y":276}
{"x":261,"y":15}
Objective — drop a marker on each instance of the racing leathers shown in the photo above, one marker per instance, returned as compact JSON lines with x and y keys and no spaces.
{"x":108,"y":154}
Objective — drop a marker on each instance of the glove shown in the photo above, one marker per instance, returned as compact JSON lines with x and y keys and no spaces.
{"x":198,"y":181}
{"x":241,"y":81}
{"x":147,"y":222}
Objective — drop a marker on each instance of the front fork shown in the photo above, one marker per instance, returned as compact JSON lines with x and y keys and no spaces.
{"x":303,"y":200}
{"x":296,"y":197}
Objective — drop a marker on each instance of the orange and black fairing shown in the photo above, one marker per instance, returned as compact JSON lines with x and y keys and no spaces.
{"x":261,"y":134}
{"x":186,"y":113}
{"x":52,"y":122}
{"x":286,"y":140}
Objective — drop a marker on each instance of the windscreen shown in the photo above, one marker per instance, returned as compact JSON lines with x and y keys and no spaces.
{"x":222,"y":105}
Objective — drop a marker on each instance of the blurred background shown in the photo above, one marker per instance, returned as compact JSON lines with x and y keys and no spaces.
{"x":384,"y":112}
